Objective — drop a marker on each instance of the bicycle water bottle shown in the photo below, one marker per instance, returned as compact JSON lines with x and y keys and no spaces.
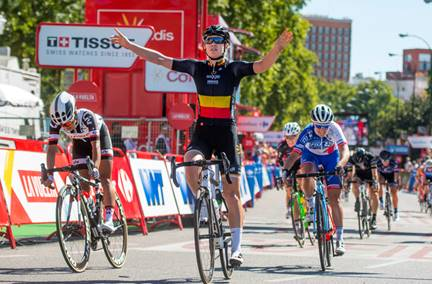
{"x":219,"y":198}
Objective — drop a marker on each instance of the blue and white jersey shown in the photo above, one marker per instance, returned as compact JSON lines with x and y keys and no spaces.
{"x":322,"y":146}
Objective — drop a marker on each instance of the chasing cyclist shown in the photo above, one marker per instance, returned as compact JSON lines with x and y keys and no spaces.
{"x":216,"y":81}
{"x":389,"y":172}
{"x":291,"y":133}
{"x":425,"y":181}
{"x":364,"y":169}
{"x":322,"y":143}
{"x":90,"y":137}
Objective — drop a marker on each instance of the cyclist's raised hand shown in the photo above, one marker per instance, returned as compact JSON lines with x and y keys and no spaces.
{"x":120,"y":38}
{"x":284,"y":39}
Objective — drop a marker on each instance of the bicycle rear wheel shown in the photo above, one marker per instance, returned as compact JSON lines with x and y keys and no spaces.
{"x":204,"y":238}
{"x":297,"y":222}
{"x":73,"y":228}
{"x":115,"y":244}
{"x":321,"y":236}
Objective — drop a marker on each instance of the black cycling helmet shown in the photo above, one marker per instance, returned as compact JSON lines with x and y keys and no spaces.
{"x":359,"y":155}
{"x":216,"y":30}
{"x":385,"y":155}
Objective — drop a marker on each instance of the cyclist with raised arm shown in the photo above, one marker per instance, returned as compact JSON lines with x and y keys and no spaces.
{"x":284,"y":148}
{"x":216,"y":81}
{"x":389,"y":171}
{"x":322,"y":143}
{"x":90,"y":137}
{"x":364,"y":169}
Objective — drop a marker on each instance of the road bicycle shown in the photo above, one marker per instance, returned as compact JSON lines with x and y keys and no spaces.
{"x":79,"y":220}
{"x":210,"y":231}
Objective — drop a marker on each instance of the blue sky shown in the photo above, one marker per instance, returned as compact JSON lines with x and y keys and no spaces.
{"x":375,"y":28}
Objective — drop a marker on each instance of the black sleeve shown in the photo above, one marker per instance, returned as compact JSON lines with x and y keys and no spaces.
{"x":54,"y":133}
{"x":188,"y":66}
{"x":90,"y":121}
{"x":373,"y":162}
{"x":349,"y":165}
{"x":242,"y":68}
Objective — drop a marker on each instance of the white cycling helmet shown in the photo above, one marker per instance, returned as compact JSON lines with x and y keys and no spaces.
{"x":62,"y":108}
{"x":259,"y":137}
{"x":291,"y":129}
{"x":322,"y":114}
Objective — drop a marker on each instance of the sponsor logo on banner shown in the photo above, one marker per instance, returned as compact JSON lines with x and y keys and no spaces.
{"x":420,"y":142}
{"x":125,"y":185}
{"x":33,"y":188}
{"x":153,"y":186}
{"x":76,"y":45}
{"x":254,"y":123}
{"x":186,"y":193}
{"x":273,"y":137}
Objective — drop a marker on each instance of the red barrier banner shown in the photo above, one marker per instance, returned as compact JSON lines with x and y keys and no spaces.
{"x":123,"y":183}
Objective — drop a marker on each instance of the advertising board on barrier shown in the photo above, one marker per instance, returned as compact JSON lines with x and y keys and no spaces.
{"x":254,"y":123}
{"x":123,"y":183}
{"x":28,"y":201}
{"x":252,"y":181}
{"x":153,"y":187}
{"x":79,"y":45}
{"x":245,"y":194}
{"x":183,"y":194}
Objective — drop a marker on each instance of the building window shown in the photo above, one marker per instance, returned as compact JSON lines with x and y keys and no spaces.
{"x":346,"y":67}
{"x":333,"y":56}
{"x":332,"y":65}
{"x":346,"y":48}
{"x":346,"y":57}
{"x":339,"y":57}
{"x":408,"y":57}
{"x":339,"y":65}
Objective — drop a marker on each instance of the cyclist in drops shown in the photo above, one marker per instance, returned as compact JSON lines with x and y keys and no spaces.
{"x":363,"y":167}
{"x":291,"y":133}
{"x":389,"y":171}
{"x":91,"y":138}
{"x":217,"y":81}
{"x":426,"y":180}
{"x":322,"y":143}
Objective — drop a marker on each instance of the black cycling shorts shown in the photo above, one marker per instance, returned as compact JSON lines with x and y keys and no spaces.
{"x":389,"y":177}
{"x":214,"y":139}
{"x":364,"y":175}
{"x":81,"y":148}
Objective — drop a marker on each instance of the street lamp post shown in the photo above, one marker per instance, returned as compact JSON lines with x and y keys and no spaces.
{"x":430,"y":69}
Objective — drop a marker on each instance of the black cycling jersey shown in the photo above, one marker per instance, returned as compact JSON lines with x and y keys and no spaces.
{"x":392,"y":167}
{"x":283,"y":152}
{"x":216,"y":87}
{"x":88,"y":127}
{"x":369,"y":162}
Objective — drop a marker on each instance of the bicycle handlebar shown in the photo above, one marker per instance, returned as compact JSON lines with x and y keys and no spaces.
{"x":71,"y":169}
{"x":223,"y":163}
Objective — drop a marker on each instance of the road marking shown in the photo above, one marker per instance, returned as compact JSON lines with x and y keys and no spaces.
{"x":14,"y":255}
{"x":291,"y":278}
{"x":391,"y":252}
{"x":386,"y":264}
{"x":421,"y":253}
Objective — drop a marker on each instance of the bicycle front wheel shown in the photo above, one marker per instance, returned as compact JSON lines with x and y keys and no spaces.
{"x":115,"y":244}
{"x":297,"y":221}
{"x":321,"y":234}
{"x":388,"y":210}
{"x":73,"y":228}
{"x":204,"y":238}
{"x":225,"y":252}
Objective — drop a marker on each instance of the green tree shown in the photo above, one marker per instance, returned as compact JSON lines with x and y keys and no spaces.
{"x":287,"y":90}
{"x":22,"y":17}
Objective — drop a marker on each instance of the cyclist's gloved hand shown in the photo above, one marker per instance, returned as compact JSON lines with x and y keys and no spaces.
{"x":48,"y":182}
{"x":286,"y":174}
{"x":95,"y":173}
{"x":339,"y":170}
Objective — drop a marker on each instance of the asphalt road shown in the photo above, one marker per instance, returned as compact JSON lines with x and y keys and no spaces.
{"x":403,"y":255}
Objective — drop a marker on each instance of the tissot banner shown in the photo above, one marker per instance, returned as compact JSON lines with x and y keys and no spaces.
{"x":77,"y":45}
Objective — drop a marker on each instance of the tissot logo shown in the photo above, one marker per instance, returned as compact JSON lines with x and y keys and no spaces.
{"x":81,"y":42}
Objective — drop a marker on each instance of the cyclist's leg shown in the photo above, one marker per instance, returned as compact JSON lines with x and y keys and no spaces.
{"x":198,"y":149}
{"x":105,"y":170}
{"x":356,"y":193}
{"x":333,"y":192}
{"x":381,"y":182}
{"x":226,"y":141}
{"x":308,"y":165}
